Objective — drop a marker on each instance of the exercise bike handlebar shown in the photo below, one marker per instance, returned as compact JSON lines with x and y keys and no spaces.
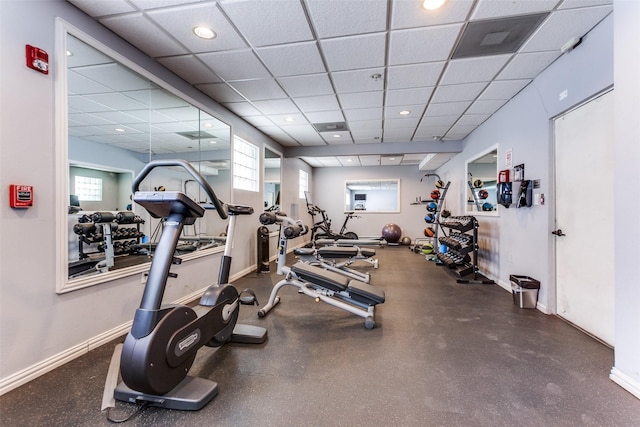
{"x":190,"y":169}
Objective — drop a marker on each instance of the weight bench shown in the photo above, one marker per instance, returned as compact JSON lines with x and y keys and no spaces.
{"x":335,"y":289}
{"x":327,"y":257}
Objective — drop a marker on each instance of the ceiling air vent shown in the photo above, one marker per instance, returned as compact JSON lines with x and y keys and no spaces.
{"x":496,"y":36}
{"x":331,"y":127}
{"x":193,"y":135}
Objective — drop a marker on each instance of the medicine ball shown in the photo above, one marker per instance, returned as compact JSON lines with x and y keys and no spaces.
{"x":477,"y":183}
{"x":435,"y":194}
{"x":487,"y":207}
{"x":483,"y":194}
{"x":445,"y":214}
{"x":439,"y":184}
{"x":427,"y":248}
{"x":432,"y":207}
{"x":406,"y":241}
{"x":429,"y":232}
{"x":429,"y":218}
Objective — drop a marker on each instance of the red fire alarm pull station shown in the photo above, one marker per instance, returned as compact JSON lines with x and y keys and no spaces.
{"x":20,"y":196}
{"x":37,"y":59}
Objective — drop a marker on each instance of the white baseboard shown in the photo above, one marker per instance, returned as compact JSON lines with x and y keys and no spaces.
{"x":625,"y":381}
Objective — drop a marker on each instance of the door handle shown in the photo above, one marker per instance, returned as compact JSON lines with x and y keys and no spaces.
{"x":558,"y":232}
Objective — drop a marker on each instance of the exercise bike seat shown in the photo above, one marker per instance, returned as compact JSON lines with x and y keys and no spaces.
{"x":359,"y":291}
{"x":161,"y":204}
{"x":239,"y":210}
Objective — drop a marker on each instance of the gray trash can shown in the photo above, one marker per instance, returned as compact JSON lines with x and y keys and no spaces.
{"x":525,"y":291}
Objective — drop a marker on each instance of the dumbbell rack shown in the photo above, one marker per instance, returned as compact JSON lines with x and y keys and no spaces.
{"x":102,"y":228}
{"x":462,"y":248}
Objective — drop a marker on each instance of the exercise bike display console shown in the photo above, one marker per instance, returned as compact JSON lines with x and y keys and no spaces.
{"x":162,"y":345}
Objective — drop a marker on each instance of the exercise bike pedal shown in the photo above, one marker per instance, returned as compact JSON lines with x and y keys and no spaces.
{"x":248,"y":334}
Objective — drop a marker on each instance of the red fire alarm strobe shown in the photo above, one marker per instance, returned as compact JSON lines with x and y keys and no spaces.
{"x":37,"y":59}
{"x":20,"y":196}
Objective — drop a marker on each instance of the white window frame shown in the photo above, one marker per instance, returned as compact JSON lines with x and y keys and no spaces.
{"x":303,"y":183}
{"x":246,"y":162}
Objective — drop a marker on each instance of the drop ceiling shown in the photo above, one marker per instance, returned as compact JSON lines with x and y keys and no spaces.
{"x":383,"y":68}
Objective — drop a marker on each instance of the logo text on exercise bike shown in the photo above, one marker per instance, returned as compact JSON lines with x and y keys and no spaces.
{"x":188,"y":342}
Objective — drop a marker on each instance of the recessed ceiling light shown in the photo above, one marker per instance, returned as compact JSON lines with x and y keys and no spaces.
{"x":405,"y":112}
{"x":392,"y":158}
{"x":432,"y":4}
{"x":208,"y":125}
{"x":204,"y":32}
{"x":349,"y":160}
{"x":337,"y":135}
{"x":289,"y":119}
{"x":213,"y":141}
{"x":118,"y":129}
{"x":69,"y":53}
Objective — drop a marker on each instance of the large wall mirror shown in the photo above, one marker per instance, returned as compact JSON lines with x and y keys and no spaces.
{"x":372,"y":196}
{"x":481,"y":183}
{"x":117,"y":118}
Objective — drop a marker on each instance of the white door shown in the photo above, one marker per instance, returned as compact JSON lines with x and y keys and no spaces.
{"x":584,"y":213}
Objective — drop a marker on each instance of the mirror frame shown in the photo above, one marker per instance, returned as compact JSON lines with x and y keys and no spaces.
{"x":465,"y":193}
{"x":364,"y":211}
{"x":61,"y":157}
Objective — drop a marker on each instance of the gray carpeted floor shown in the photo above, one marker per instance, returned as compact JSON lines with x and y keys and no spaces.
{"x":443,"y":353}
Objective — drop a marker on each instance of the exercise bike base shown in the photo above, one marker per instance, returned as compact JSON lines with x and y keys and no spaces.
{"x":191,"y":394}
{"x":248,"y":334}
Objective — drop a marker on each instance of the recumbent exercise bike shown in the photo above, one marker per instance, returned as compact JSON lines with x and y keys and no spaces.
{"x":335,"y":289}
{"x":162,"y":344}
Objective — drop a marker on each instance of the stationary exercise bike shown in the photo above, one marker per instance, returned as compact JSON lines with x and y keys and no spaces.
{"x":322,"y":229}
{"x":164,"y":339}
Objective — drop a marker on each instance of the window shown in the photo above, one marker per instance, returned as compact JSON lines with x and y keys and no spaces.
{"x":303,"y":183}
{"x":88,"y":189}
{"x":245,"y":165}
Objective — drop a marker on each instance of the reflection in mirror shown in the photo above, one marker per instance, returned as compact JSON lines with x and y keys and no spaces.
{"x":272,"y":172}
{"x":117,"y":121}
{"x":365,"y":196}
{"x":482,"y":172}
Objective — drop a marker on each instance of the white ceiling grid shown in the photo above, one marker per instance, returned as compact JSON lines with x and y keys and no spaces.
{"x":283,"y":65}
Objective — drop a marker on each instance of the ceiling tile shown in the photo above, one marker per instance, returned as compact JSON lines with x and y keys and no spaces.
{"x":235,"y":65}
{"x":279,"y":135}
{"x":394,"y":112}
{"x":447,"y":108}
{"x":528,"y":65}
{"x":459,"y":92}
{"x":471,"y":119}
{"x":358,"y":80}
{"x":114,"y":76}
{"x":332,"y":18}
{"x":422,"y":44}
{"x":354,"y":52}
{"x":311,"y":85}
{"x":292,"y":59}
{"x":332,"y":138}
{"x":397,"y":135}
{"x":572,"y":4}
{"x":363,"y":125}
{"x":288,"y":120}
{"x":407,"y":14}
{"x":409,"y":123}
{"x":325,"y":116}
{"x":348,"y":161}
{"x":305,"y":133}
{"x":503,"y":89}
{"x":115,"y":101}
{"x":363,"y":114}
{"x":404,"y":97}
{"x":390,"y":160}
{"x":242,"y":108}
{"x":413,"y":76}
{"x":276,"y":106}
{"x":473,"y":69}
{"x":461,"y":130}
{"x":373,"y":160}
{"x":317,"y":103}
{"x":427,"y":133}
{"x":153,"y":4}
{"x":144,"y":34}
{"x":260,"y":89}
{"x":486,"y":106}
{"x":487,"y":9}
{"x":180,"y":21}
{"x":371,"y":135}
{"x":79,"y":84}
{"x":103,"y":8}
{"x":259,"y":121}
{"x":440,"y":121}
{"x":286,"y":20}
{"x":561,"y":26}
{"x":221,"y":92}
{"x":361,"y":100}
{"x":190,"y":69}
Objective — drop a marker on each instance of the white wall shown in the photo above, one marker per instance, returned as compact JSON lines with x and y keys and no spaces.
{"x":39,"y":328}
{"x":627,"y":205}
